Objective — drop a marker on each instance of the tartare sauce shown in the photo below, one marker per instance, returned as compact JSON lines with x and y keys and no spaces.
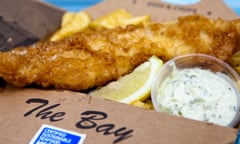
{"x":198,"y":94}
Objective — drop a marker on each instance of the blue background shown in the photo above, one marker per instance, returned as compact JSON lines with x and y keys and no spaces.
{"x":78,"y":5}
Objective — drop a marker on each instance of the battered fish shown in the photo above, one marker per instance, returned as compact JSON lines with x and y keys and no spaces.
{"x":92,"y":58}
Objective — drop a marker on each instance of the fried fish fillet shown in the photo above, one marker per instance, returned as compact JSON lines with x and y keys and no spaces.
{"x":92,"y":58}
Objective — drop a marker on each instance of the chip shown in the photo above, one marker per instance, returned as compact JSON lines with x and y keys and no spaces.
{"x":76,"y":22}
{"x":72,"y":23}
{"x":118,"y":18}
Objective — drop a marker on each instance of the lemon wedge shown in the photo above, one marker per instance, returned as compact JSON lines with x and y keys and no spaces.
{"x":133,"y":87}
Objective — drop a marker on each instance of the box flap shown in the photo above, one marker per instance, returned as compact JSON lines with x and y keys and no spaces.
{"x":23,"y":111}
{"x":161,"y":11}
{"x":34,"y":16}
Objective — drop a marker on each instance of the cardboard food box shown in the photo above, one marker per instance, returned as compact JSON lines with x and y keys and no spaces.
{"x":29,"y":115}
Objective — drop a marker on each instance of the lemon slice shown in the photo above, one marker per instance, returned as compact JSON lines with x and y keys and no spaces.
{"x":133,"y":87}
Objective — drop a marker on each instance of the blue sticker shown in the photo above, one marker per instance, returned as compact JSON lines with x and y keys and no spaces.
{"x":54,"y":135}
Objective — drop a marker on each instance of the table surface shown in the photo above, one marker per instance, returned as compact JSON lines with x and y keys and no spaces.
{"x":78,"y":5}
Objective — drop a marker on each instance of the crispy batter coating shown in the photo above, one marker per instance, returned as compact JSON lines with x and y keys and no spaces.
{"x":93,"y":58}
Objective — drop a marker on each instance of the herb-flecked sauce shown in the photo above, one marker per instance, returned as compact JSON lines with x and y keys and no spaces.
{"x":198,"y":94}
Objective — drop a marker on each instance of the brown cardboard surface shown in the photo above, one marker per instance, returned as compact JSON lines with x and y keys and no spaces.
{"x":144,"y":126}
{"x":147,"y":126}
{"x":160,"y":11}
{"x":38,"y":18}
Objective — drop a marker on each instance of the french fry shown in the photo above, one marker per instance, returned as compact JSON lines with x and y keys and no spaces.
{"x":235,"y":61}
{"x":111,"y":20}
{"x":76,"y":22}
{"x":141,"y":104}
{"x":119,"y":18}
{"x":72,"y":23}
